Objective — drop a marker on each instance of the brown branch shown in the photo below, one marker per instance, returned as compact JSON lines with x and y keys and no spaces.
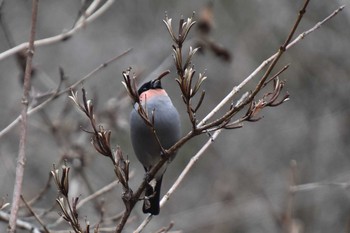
{"x":67,"y":206}
{"x":101,"y":143}
{"x":21,"y":160}
{"x":237,"y":88}
{"x":124,"y":218}
{"x":280,"y":51}
{"x":35,"y":215}
{"x":276,"y":75}
{"x":261,"y":82}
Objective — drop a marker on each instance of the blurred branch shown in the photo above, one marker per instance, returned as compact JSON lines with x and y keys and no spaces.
{"x":317,"y":26}
{"x":166,"y":229}
{"x":35,"y":215}
{"x":61,"y":37}
{"x":20,"y":223}
{"x":98,"y":193}
{"x":58,"y":93}
{"x":317,"y":185}
{"x":94,"y":71}
{"x":21,"y":160}
{"x":30,"y":112}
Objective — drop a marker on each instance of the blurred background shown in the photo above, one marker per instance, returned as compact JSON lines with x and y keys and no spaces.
{"x":241,"y":183}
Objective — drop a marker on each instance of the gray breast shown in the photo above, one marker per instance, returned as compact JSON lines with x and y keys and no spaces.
{"x":167,"y":126}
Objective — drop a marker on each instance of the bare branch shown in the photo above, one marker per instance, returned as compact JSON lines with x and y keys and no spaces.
{"x":237,"y":88}
{"x":35,"y":215}
{"x":61,"y":37}
{"x":318,"y":185}
{"x":21,"y":160}
{"x":58,"y":93}
{"x":20,"y":223}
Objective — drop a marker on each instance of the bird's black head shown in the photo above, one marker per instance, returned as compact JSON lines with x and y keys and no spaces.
{"x":153,"y":84}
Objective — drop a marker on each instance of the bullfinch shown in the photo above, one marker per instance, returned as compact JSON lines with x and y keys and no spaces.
{"x":159,"y":107}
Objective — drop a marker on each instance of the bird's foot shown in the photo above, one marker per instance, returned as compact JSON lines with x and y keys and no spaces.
{"x":147,"y":177}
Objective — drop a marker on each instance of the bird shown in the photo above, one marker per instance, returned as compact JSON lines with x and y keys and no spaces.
{"x":166,"y":120}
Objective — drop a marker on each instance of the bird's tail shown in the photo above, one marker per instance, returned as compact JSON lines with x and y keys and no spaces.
{"x":152,"y":204}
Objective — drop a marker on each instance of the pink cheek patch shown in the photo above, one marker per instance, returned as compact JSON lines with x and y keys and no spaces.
{"x":148,"y":95}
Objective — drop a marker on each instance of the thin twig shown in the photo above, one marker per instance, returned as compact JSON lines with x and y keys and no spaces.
{"x":23,"y":132}
{"x":98,"y":193}
{"x":61,"y":37}
{"x":237,"y":88}
{"x":276,"y":75}
{"x":262,"y":80}
{"x":58,"y":93}
{"x":317,"y":26}
{"x":94,"y":71}
{"x":97,"y":205}
{"x":35,"y":215}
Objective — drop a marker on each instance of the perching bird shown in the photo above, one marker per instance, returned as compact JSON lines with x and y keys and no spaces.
{"x":146,"y":147}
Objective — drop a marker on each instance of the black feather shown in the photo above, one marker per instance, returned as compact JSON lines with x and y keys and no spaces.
{"x":152,"y":206}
